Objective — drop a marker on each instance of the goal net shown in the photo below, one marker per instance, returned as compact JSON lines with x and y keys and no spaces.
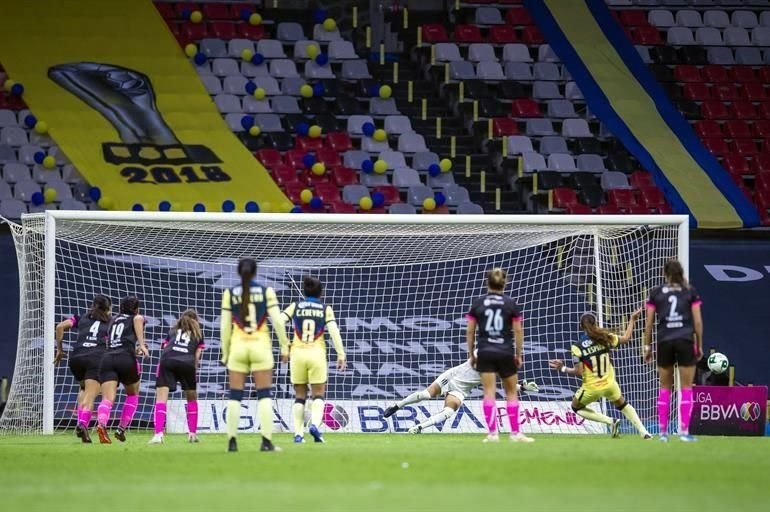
{"x":400,"y":287}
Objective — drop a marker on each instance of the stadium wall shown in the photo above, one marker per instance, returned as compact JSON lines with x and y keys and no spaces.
{"x":732,"y":275}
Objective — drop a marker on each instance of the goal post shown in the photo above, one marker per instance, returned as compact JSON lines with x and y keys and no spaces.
{"x":399,"y":284}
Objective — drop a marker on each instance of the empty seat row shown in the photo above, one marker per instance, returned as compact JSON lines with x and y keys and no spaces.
{"x":721,"y":74}
{"x":273,"y":49}
{"x":709,"y":36}
{"x":284,"y":68}
{"x":437,"y":33}
{"x":480,"y":52}
{"x":712,"y":18}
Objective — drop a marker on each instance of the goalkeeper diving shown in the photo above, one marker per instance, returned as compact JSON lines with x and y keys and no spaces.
{"x":456,"y":384}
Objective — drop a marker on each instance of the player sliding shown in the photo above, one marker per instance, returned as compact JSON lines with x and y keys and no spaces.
{"x":456,"y":384}
{"x":591,"y":355}
{"x":119,"y":365}
{"x":246,"y":349}
{"x":179,"y":362}
{"x":310,"y":319}
{"x":498,"y":320}
{"x":86,"y":356}
{"x":680,"y":342}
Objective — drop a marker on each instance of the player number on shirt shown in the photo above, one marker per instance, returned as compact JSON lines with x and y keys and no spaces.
{"x":251,"y":320}
{"x":116,"y":332}
{"x":599,"y":364}
{"x":494,"y":320}
{"x":308,"y":330}
{"x":94,"y":330}
{"x":182,"y":338}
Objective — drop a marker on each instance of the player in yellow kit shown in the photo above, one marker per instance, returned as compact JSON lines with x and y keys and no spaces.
{"x":247,"y":349}
{"x":591,"y":355}
{"x":311,"y":319}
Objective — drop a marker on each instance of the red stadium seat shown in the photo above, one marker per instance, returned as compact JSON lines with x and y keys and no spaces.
{"x":344,"y":176}
{"x":764,"y":74}
{"x":633,"y":18}
{"x":637,"y":210}
{"x":339,"y":141}
{"x":295,"y":158}
{"x":467,"y":34}
{"x":341,"y":207}
{"x":329,"y":157}
{"x":696,"y":92}
{"x":762,"y":126}
{"x":222,"y":30}
{"x":746,"y":147}
{"x":504,"y":126}
{"x":621,"y":198}
{"x":439,"y":210}
{"x":716,"y":146}
{"x":525,"y":107}
{"x":308,"y":143}
{"x":715,"y":74}
{"x":269,"y":157}
{"x":737,"y":130}
{"x":217,"y":11}
{"x":641,"y":179}
{"x":725,"y":92}
{"x":761,"y":164}
{"x":294,"y":192}
{"x":743,"y":110}
{"x":743,"y":74}
{"x":564,"y":198}
{"x":713,"y":109}
{"x":579,"y":209}
{"x":687,"y":73}
{"x":754,"y":92}
{"x":608,"y":209}
{"x":763,"y":178}
{"x":327,"y":192}
{"x":708,"y":129}
{"x":646,"y":34}
{"x":390,"y":192}
{"x":502,"y":34}
{"x":166,"y":10}
{"x":532,"y":35}
{"x":285,"y":175}
{"x":518,"y":16}
{"x":311,"y":179}
{"x":664,"y":209}
{"x":186,"y":7}
{"x":252,"y":32}
{"x":434,"y":33}
{"x":735,"y":163}
{"x":235,"y":10}
{"x":194,"y":31}
{"x":652,"y":198}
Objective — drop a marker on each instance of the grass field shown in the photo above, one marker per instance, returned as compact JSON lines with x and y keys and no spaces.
{"x":385,"y":472}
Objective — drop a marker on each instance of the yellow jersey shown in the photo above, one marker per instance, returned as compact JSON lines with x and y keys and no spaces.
{"x":598,"y":371}
{"x":310,"y":320}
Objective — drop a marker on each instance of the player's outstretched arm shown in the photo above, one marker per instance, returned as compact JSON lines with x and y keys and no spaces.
{"x":61,"y":327}
{"x":225,"y":326}
{"x":628,"y":334}
{"x":139,"y":330}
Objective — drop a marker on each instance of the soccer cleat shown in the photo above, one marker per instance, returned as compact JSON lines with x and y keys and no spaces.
{"x":615,"y":428}
{"x":268,"y":446}
{"x":663,"y":438}
{"x":104,"y":437}
{"x":83,"y":434}
{"x":156,"y":439}
{"x":317,"y":436}
{"x":390,"y":411}
{"x":193,"y":438}
{"x":120,"y":434}
{"x":232,"y":445}
{"x":78,"y":432}
{"x":687,"y":438}
{"x":518,"y":437}
{"x":417,"y":429}
{"x":646,"y":436}
{"x":491,"y":438}
{"x":298,"y":439}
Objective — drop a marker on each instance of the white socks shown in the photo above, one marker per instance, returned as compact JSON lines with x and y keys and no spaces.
{"x":417,"y":396}
{"x":439,"y":417}
{"x":594,"y":416}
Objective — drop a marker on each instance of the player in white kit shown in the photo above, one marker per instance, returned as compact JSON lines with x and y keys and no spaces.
{"x":456,"y":384}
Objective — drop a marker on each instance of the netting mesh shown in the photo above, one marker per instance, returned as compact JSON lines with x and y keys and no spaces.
{"x":400,"y":292}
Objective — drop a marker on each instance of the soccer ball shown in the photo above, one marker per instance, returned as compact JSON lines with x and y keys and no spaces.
{"x":718,"y":362}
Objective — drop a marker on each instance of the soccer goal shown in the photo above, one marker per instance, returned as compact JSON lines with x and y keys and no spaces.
{"x":400,"y":286}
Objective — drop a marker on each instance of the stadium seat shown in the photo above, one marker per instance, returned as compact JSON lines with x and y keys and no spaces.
{"x":518,"y":16}
{"x":737,"y":130}
{"x":716,"y":146}
{"x":717,"y":74}
{"x":652,"y":198}
{"x":696,"y":92}
{"x":519,"y":144}
{"x":434,"y":33}
{"x":736,"y":164}
{"x":391,"y":194}
{"x":516,"y":52}
{"x":686,"y":73}
{"x":552,"y":144}
{"x":532,"y":35}
{"x":647,"y":35}
{"x":502,"y":34}
{"x":564,"y":198}
{"x":708,"y":129}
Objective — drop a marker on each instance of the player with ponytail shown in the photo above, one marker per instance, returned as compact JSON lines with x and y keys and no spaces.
{"x":247,"y":349}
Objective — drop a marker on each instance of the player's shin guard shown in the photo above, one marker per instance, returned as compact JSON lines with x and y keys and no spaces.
{"x":317,"y":411}
{"x":265,"y":412}
{"x":159,"y":417}
{"x":298,"y":411}
{"x":234,"y":412}
{"x":490,"y":415}
{"x":129,"y":408}
{"x":685,"y":410}
{"x":417,"y":396}
{"x":664,"y":408}
{"x":593,"y":416}
{"x":630,"y":413}
{"x":192,"y":416}
{"x":103,"y":412}
{"x":513,"y":416}
{"x":84,"y":418}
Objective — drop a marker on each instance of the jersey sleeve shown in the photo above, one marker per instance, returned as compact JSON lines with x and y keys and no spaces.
{"x":695,"y":299}
{"x":288,"y":313}
{"x":277,"y":319}
{"x":472,"y":313}
{"x":576,"y":353}
{"x":74,"y":321}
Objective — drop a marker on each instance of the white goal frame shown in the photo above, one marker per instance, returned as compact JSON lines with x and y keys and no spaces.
{"x":51,"y":218}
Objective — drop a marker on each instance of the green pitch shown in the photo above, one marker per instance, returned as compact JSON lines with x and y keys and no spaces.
{"x":385,"y":472}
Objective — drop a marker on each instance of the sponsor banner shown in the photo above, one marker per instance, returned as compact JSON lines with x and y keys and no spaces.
{"x":730,"y":411}
{"x":127,"y":107}
{"x":367,"y":417}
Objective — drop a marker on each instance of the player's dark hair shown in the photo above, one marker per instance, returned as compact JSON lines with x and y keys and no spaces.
{"x":100,"y":308}
{"x":188,"y":323}
{"x":247,"y":269}
{"x":129,"y":305}
{"x":312,"y":287}
{"x":596,"y":333}
{"x":496,"y":279}
{"x":674,"y":273}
